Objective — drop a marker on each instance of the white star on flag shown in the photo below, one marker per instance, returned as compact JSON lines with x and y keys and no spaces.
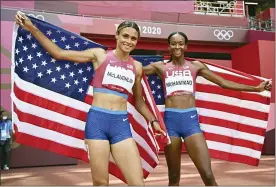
{"x":44,"y":63}
{"x":49,"y":71}
{"x":34,"y":66}
{"x":84,"y":79}
{"x":67,"y":85}
{"x":71,"y":74}
{"x":53,"y":80}
{"x":29,"y":36}
{"x":25,"y":69}
{"x":76,"y":82}
{"x":62,"y":77}
{"x":38,"y":54}
{"x":30,"y":57}
{"x":20,"y":39}
{"x":80,"y":90}
{"x":63,"y":38}
{"x":49,"y":32}
{"x":39,"y":74}
{"x":34,"y":45}
{"x":17,"y":51}
{"x":25,"y":48}
{"x":58,"y":69}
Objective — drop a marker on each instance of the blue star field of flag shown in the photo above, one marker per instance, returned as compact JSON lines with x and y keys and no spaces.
{"x":153,"y":80}
{"x":33,"y":64}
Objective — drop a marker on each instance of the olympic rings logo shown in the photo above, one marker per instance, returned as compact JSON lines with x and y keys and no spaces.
{"x":223,"y":34}
{"x":41,"y":17}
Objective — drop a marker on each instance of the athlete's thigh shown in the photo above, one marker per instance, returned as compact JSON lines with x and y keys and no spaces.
{"x":99,"y":153}
{"x":173,"y":155}
{"x":127,"y":157}
{"x":198,"y":151}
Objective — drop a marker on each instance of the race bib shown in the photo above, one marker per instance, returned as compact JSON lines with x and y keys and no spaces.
{"x":179,"y":83}
{"x":119,"y":76}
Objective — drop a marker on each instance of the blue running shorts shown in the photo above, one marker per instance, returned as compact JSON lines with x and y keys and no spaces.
{"x":181,"y":122}
{"x":104,"y":124}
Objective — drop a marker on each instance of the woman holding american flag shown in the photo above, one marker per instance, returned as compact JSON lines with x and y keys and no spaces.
{"x":181,"y":117}
{"x":117,"y":75}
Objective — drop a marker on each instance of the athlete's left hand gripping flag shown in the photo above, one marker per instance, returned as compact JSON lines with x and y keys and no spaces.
{"x":51,"y":98}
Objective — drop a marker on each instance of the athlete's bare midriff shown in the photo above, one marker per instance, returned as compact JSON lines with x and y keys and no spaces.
{"x":180,"y":101}
{"x":109,"y":101}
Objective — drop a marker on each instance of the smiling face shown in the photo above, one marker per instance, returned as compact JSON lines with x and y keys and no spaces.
{"x":177,"y":45}
{"x":127,"y":39}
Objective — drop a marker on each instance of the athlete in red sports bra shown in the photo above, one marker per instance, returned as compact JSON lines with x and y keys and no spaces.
{"x":107,"y":128}
{"x":181,"y":117}
{"x":115,"y":76}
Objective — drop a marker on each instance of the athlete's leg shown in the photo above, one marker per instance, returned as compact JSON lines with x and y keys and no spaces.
{"x":173,"y":158}
{"x":99,"y":152}
{"x":198,"y":151}
{"x":126,"y":156}
{"x":173,"y":151}
{"x":97,"y":125}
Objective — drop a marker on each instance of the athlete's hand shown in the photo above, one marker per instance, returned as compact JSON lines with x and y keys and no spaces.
{"x":157,"y":128}
{"x":265,"y":85}
{"x":23,"y":21}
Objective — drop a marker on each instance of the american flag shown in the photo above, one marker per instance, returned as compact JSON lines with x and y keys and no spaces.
{"x":51,"y":99}
{"x":233,"y":122}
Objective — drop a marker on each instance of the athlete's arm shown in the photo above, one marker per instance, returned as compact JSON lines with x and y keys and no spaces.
{"x":140,"y":104}
{"x":153,"y":68}
{"x":89,"y":55}
{"x":205,"y":72}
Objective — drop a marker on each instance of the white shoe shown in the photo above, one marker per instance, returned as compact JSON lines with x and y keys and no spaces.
{"x":6,"y":167}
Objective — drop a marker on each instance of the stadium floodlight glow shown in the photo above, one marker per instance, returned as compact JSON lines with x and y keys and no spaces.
{"x":250,"y":3}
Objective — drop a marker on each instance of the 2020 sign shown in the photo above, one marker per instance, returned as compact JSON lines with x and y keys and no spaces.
{"x":147,"y":30}
{"x":150,"y":30}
